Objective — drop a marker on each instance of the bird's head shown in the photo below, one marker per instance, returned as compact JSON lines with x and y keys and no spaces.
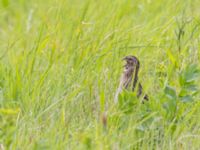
{"x":131,"y":60}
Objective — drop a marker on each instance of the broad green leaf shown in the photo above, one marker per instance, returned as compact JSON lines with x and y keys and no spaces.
{"x":187,"y":98}
{"x":190,"y":74}
{"x":170,"y":92}
{"x":188,"y":81}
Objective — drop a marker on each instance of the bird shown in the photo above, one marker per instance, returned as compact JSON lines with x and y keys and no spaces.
{"x":129,"y":78}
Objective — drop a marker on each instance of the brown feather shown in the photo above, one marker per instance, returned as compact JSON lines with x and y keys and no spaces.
{"x":130,"y":77}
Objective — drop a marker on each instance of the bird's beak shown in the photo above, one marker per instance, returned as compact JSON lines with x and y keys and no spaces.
{"x":124,"y":58}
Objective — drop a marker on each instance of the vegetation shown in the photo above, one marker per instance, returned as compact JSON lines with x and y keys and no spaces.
{"x":60,"y":66}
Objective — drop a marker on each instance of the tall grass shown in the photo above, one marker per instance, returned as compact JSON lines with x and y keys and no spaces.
{"x":60,"y":64}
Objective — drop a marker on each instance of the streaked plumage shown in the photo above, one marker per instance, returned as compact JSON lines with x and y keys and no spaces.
{"x":129,"y":78}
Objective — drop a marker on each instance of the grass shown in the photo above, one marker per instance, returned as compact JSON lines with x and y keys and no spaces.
{"x":60,"y":64}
